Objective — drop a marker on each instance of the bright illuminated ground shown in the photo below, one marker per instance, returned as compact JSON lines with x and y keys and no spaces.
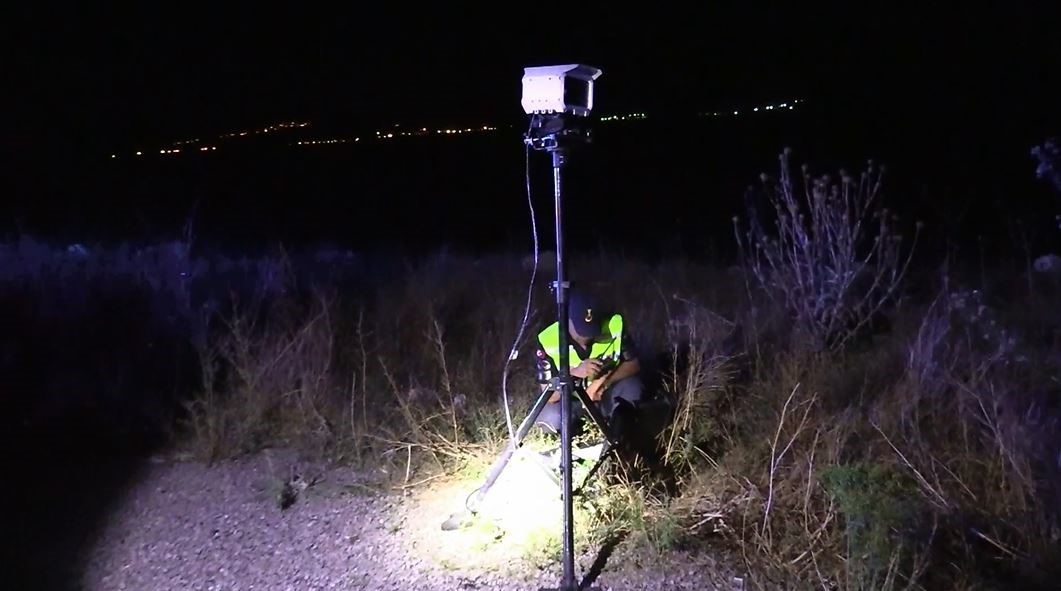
{"x":188,"y":526}
{"x":519,"y":520}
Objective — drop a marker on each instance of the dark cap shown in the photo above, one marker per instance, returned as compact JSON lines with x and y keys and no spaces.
{"x":585,"y":314}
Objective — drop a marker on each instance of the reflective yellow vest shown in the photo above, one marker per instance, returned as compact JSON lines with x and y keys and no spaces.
{"x":607,"y":346}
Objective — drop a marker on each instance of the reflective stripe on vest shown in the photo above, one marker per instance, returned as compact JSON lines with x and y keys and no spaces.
{"x":607,"y":346}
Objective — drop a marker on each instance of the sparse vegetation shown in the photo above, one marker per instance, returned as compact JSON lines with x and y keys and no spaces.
{"x":830,"y":254}
{"x":826,"y":435}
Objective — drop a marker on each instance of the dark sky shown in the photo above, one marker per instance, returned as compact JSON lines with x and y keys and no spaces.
{"x":102,"y":78}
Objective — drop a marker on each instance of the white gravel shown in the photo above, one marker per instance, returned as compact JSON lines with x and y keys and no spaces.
{"x":188,"y":526}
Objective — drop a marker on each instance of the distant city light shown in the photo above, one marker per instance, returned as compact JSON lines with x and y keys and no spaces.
{"x":623,"y":117}
{"x":380,"y":135}
{"x":755,"y":109}
{"x":424,"y":131}
{"x":322,"y":142}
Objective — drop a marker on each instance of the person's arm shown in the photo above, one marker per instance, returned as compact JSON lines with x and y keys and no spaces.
{"x":547,"y":368}
{"x":630,"y":365}
{"x":583,"y":369}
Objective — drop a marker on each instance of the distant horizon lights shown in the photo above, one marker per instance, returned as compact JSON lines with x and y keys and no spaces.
{"x":424,"y":131}
{"x":787,"y":105}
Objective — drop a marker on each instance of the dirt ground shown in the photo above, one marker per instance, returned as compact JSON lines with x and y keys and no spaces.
{"x":185,"y":525}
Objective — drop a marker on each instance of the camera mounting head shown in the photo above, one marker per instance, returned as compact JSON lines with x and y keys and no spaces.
{"x":559,"y":99}
{"x":551,"y":132}
{"x":559,"y":89}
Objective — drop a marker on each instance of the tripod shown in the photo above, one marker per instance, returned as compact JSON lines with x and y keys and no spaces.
{"x":554,"y":133}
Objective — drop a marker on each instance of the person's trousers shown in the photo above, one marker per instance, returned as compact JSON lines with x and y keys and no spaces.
{"x":629,"y":389}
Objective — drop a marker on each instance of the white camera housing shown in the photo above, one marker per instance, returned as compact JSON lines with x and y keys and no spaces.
{"x":559,"y":89}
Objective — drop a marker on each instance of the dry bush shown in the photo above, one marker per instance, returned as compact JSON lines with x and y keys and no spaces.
{"x":763,"y":494}
{"x":832,"y":256}
{"x":972,"y":422}
{"x":268,"y":381}
{"x":441,"y":340}
{"x":696,"y":381}
{"x":803,"y":494}
{"x":404,"y":372}
{"x":927,"y":463}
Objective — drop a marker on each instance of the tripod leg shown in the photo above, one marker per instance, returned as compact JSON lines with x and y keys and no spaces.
{"x":475,"y":500}
{"x":596,"y":466}
{"x":597,"y":418}
{"x":503,"y":459}
{"x":611,"y":441}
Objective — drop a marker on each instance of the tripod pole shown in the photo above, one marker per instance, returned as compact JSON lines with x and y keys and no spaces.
{"x":568,"y":581}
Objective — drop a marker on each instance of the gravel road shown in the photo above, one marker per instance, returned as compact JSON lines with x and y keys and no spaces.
{"x":188,"y":526}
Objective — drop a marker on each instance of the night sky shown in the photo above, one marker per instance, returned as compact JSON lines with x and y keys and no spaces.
{"x":101,"y":78}
{"x":946,"y":93}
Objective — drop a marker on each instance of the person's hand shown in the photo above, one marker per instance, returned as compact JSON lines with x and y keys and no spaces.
{"x":588,"y":369}
{"x":594,"y":390}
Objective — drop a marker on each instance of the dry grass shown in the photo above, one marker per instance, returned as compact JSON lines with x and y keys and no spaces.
{"x":921,"y":457}
{"x":923,"y":460}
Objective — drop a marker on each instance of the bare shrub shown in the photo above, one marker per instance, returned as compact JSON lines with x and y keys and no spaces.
{"x":833,"y":257}
{"x":787,"y":529}
{"x":970,"y":421}
{"x":268,"y":380}
{"x":803,"y":492}
{"x":696,"y":381}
